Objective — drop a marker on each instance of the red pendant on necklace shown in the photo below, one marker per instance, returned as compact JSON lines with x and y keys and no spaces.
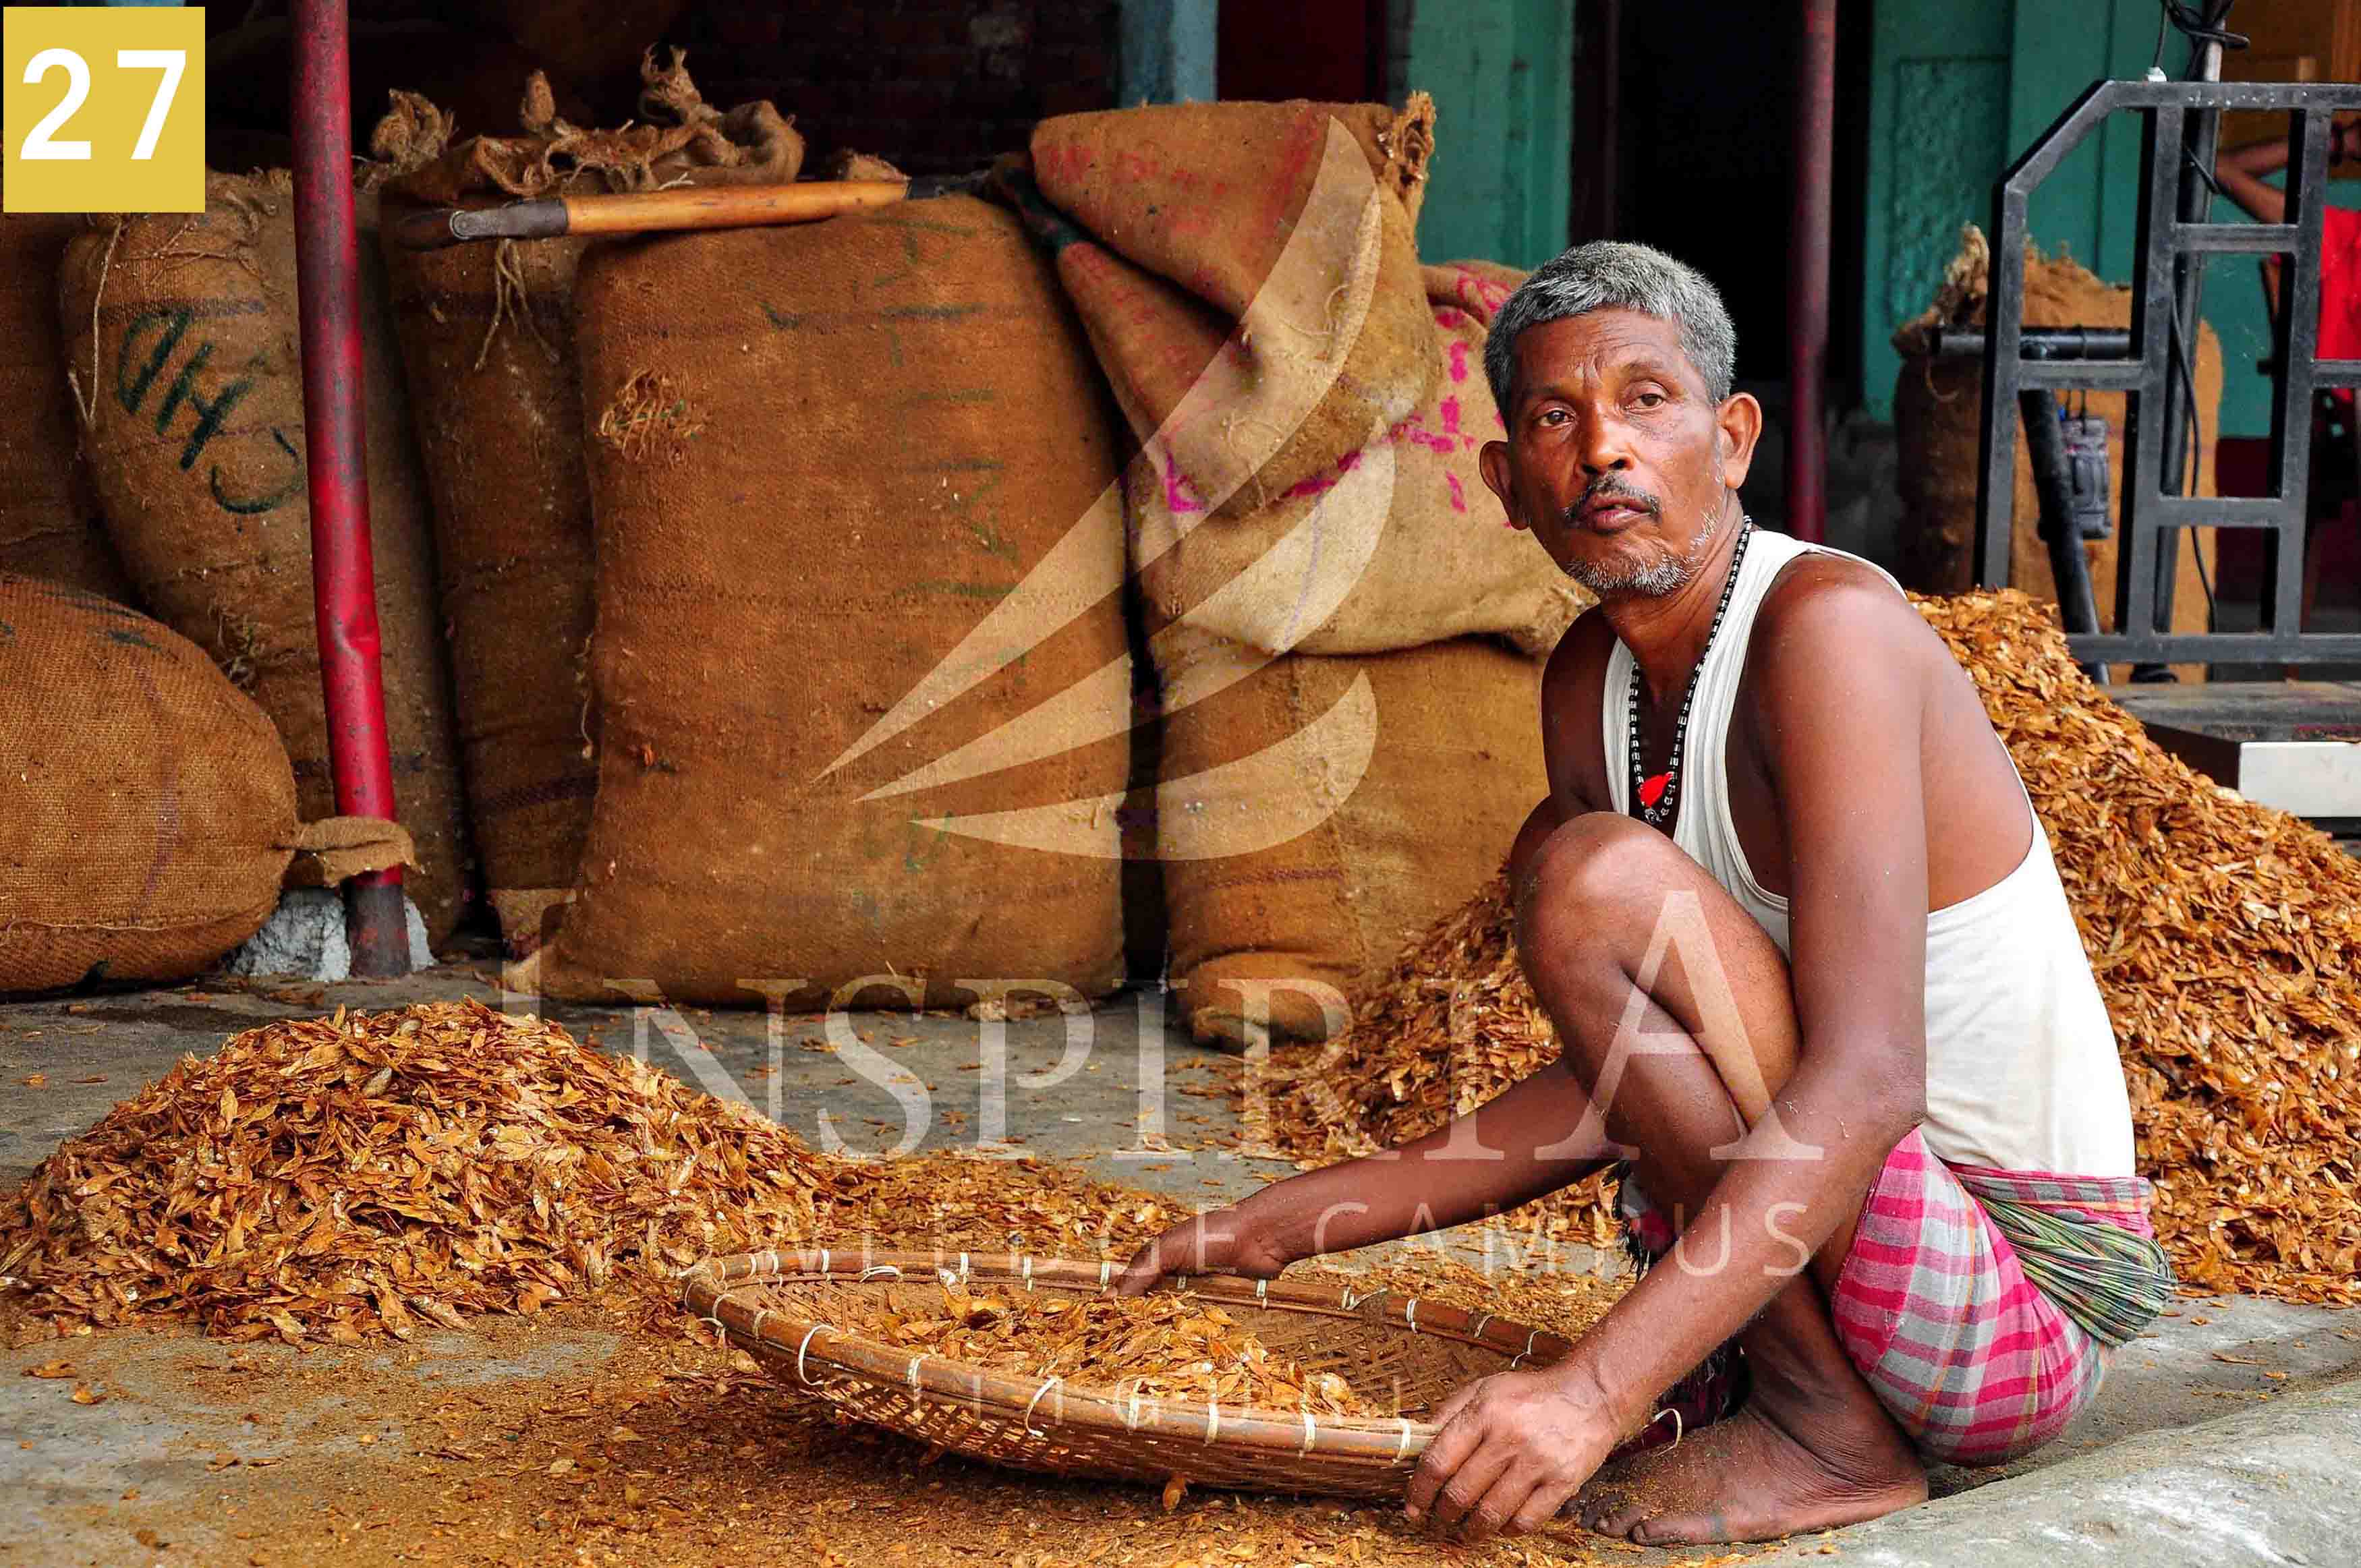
{"x":1652,"y":790}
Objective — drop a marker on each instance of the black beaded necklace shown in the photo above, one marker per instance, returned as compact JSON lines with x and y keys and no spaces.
{"x":1657,"y":798}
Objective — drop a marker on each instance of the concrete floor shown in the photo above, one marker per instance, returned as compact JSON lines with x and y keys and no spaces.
{"x":2227,"y":1436}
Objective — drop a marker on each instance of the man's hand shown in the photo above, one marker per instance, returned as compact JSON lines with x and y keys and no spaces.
{"x":1227,"y":1241}
{"x":1513,"y":1448}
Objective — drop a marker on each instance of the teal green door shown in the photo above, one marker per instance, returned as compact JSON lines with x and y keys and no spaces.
{"x":1502,"y":76}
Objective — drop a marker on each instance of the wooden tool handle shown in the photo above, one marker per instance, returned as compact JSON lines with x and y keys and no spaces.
{"x":726,"y":206}
{"x":646,"y":211}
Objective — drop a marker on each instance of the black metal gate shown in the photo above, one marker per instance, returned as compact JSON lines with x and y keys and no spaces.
{"x":2152,"y":511}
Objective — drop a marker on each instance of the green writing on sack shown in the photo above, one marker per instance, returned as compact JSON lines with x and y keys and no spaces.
{"x":151,"y":344}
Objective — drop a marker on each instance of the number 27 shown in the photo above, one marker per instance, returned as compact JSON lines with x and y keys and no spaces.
{"x":42,"y":143}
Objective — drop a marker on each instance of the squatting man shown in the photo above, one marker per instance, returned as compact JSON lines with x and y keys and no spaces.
{"x":1816,"y":987}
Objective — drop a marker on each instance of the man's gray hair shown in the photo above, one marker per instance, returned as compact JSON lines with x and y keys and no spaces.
{"x":1617,"y":275}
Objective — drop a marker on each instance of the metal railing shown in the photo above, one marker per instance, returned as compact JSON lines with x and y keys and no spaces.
{"x":2152,"y":511}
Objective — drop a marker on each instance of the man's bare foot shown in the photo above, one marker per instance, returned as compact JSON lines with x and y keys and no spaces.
{"x":1748,"y":1479}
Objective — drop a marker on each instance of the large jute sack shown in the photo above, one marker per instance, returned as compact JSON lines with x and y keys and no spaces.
{"x":829,"y":463}
{"x":1194,"y":213}
{"x":195,"y":431}
{"x":487,"y":341}
{"x":1937,"y":409}
{"x":49,"y":514}
{"x":1402,"y":538}
{"x":145,"y":805}
{"x":1389,"y":787}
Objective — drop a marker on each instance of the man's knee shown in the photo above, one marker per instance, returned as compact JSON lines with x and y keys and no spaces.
{"x":1584,"y":880}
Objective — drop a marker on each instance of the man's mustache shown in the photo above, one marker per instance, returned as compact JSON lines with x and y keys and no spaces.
{"x":1607,"y":486}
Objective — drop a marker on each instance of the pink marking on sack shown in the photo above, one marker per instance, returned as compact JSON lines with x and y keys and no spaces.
{"x":1458,"y":496}
{"x":1414,"y":430}
{"x":1317,"y":483}
{"x":1448,"y":316}
{"x":1450,"y":409}
{"x":1179,"y":495}
{"x":1459,"y":361}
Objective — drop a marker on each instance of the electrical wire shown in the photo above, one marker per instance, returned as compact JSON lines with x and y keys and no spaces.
{"x":2200,"y":26}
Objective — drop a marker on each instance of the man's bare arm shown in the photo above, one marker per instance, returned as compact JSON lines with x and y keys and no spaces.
{"x":1517,"y":1146}
{"x":2240,"y":170}
{"x":2240,"y":173}
{"x":1572,"y":748}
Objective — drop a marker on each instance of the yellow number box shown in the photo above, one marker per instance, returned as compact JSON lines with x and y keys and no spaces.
{"x":104,"y":109}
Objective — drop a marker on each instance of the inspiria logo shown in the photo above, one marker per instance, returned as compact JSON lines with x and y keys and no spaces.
{"x":1237,"y":415}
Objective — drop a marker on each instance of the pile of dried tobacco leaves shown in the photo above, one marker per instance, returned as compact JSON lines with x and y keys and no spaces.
{"x":338,"y":1178}
{"x":1162,"y":1346}
{"x":2226,"y":938}
{"x":335,"y":1178}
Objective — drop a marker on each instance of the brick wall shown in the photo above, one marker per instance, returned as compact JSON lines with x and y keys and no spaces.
{"x":937,"y":86}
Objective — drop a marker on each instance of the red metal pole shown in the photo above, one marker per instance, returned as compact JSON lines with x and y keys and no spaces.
{"x":344,"y":585}
{"x":1807,"y":277}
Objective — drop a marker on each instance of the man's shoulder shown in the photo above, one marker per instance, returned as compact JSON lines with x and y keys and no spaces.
{"x":1579,"y":660}
{"x":1824,"y":607}
{"x":1823,"y":589}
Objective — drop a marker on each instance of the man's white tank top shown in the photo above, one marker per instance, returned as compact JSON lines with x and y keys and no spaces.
{"x":2022,"y":1072}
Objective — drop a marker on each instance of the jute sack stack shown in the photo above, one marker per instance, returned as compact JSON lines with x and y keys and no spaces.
{"x":49,"y":514}
{"x":488,"y":339}
{"x":1386,"y":788}
{"x":828,"y":460}
{"x":1314,"y":815}
{"x":1937,"y":407}
{"x":1396,"y":545}
{"x":1270,"y":245}
{"x":182,"y":329}
{"x":146,"y":808}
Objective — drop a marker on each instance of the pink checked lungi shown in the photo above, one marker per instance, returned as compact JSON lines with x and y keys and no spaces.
{"x":1974,"y":1361}
{"x":1978,"y":1364}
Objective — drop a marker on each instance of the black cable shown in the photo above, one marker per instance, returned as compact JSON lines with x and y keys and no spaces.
{"x":2198,"y":168}
{"x":2203,"y":27}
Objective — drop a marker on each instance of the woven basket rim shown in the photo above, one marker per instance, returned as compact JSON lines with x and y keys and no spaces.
{"x":706,"y":1291}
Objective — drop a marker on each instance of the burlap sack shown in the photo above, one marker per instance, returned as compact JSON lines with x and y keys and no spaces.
{"x":488,"y":340}
{"x":824,"y":456}
{"x":49,"y":514}
{"x":193,"y":423}
{"x":1937,"y":411}
{"x":1191,"y":209}
{"x":1402,"y":538}
{"x":1452,"y":742}
{"x":144,"y":804}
